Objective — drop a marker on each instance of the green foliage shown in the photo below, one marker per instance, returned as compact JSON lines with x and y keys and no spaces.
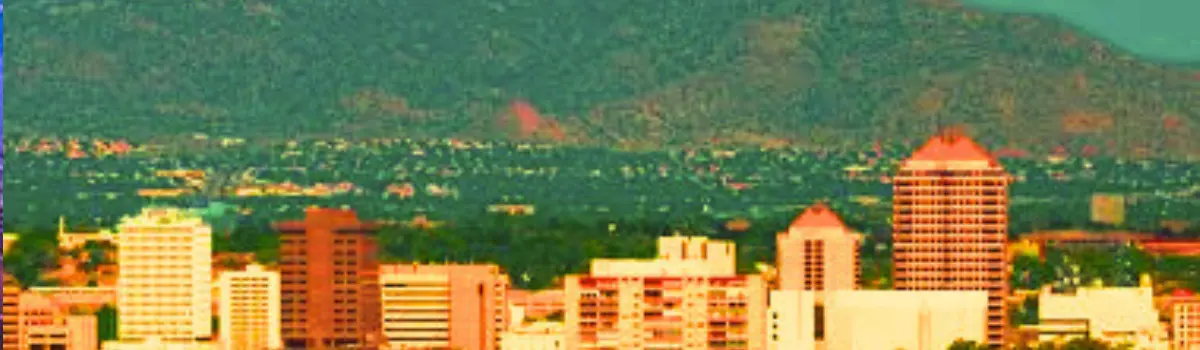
{"x":29,"y":256}
{"x":106,"y":323}
{"x":967,"y":345}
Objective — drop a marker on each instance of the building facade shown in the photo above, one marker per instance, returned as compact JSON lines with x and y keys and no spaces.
{"x":535,"y":336}
{"x":329,"y":281}
{"x":1115,"y":315}
{"x":818,"y":253}
{"x":684,"y":302}
{"x":791,"y":320}
{"x":249,"y":309}
{"x":1185,"y":324}
{"x":164,"y":290}
{"x":916,"y":320}
{"x":950,"y":224}
{"x":12,"y":313}
{"x":443,"y":306}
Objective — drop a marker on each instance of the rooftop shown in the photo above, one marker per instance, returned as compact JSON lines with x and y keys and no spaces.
{"x":818,"y":215}
{"x":952,"y":146}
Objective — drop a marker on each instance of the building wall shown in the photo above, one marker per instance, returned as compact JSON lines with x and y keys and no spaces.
{"x":915,"y":320}
{"x":536,"y":304}
{"x":538,"y":336}
{"x":718,"y":257}
{"x":950,"y":227}
{"x":165,"y":286}
{"x":644,"y":312}
{"x":458,"y":306}
{"x":82,"y":332}
{"x":1185,"y":325}
{"x":1112,"y":314}
{"x":11,"y":314}
{"x":250,"y":309}
{"x":822,"y":258}
{"x":790,"y":320}
{"x":329,"y":281}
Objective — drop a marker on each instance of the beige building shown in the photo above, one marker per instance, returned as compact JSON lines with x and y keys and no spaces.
{"x":12,"y":313}
{"x":40,"y":322}
{"x":1185,"y":324}
{"x":688,"y":298}
{"x":1115,"y":315}
{"x":818,"y":252}
{"x":913,"y":320}
{"x":155,"y":343}
{"x":443,"y":306}
{"x":249,"y":309}
{"x":791,"y":320}
{"x":164,"y":290}
{"x":534,"y":336}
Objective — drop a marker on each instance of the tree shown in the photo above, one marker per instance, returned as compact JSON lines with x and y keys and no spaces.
{"x":961,"y":344}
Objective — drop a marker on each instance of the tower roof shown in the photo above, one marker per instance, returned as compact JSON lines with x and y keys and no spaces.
{"x":952,"y":146}
{"x":818,"y":215}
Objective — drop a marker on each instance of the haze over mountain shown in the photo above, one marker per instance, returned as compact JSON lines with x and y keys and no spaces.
{"x":622,"y":72}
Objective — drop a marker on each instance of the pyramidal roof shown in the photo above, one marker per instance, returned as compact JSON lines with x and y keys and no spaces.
{"x":952,"y":146}
{"x":818,"y":215}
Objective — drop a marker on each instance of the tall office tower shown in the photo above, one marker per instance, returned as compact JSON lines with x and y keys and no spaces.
{"x":330,"y":281}
{"x":950,"y":223}
{"x":818,"y":253}
{"x":250,"y":309}
{"x":692,"y":301}
{"x":12,"y":313}
{"x":164,"y":291}
{"x":443,"y":306}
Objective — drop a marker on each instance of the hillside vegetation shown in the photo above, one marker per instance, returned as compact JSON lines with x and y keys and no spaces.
{"x":618,"y":72}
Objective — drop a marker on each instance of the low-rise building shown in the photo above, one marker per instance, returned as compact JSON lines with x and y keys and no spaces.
{"x":1184,"y":307}
{"x":443,"y":306}
{"x":792,"y":320}
{"x":1113,"y":314}
{"x":917,"y":320}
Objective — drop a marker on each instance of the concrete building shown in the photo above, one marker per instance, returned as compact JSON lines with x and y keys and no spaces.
{"x":155,"y":343}
{"x":914,"y":320}
{"x":692,"y":301}
{"x":791,"y":320}
{"x":164,"y":290}
{"x":535,"y":336}
{"x":950,"y":224}
{"x":41,"y":322}
{"x":536,"y":304}
{"x":330,"y":281}
{"x":79,"y":297}
{"x":1115,"y":315}
{"x":12,"y":313}
{"x":249,"y":309}
{"x":443,"y":306}
{"x":1185,"y":323}
{"x":818,"y":252}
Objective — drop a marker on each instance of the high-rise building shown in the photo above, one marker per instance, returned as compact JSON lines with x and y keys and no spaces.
{"x":164,"y":291}
{"x":684,"y":302}
{"x":330,"y":281}
{"x":818,"y":253}
{"x":249,"y":309}
{"x":12,"y":313}
{"x":443,"y":306}
{"x":950,"y":224}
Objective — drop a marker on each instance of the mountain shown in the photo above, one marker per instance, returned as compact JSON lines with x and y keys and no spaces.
{"x":618,"y":72}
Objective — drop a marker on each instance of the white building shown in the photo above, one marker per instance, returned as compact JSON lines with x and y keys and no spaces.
{"x":1115,"y":315}
{"x":534,"y":336}
{"x":791,"y":320}
{"x":914,"y":320}
{"x":249,"y":309}
{"x":153,"y":343}
{"x":164,"y":290}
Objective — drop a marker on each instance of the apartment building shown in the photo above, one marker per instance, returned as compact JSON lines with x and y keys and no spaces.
{"x":536,"y":304}
{"x":916,"y":320}
{"x":692,"y":301}
{"x":818,"y":253}
{"x":250,"y":309}
{"x":1185,"y":323}
{"x":41,"y":322}
{"x":12,"y":313}
{"x":443,"y":306}
{"x":329,"y":281}
{"x":950,"y":224}
{"x":534,"y":336}
{"x":164,"y":291}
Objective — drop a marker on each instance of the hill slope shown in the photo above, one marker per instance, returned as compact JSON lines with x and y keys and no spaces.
{"x":612,"y":72}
